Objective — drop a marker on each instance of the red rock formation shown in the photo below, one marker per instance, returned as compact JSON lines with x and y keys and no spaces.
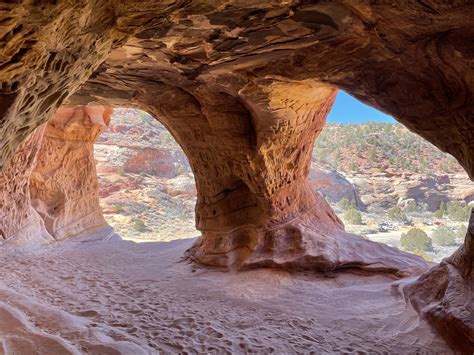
{"x":152,"y":161}
{"x":64,"y":188}
{"x":20,"y":224}
{"x":383,"y":191}
{"x":375,"y":51}
{"x":256,"y":207}
{"x":333,"y":184}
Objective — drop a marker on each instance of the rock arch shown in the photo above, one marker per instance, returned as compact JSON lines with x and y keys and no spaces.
{"x":212,"y":68}
{"x":250,"y":152}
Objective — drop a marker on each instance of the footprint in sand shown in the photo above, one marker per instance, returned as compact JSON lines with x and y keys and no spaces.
{"x":89,"y":313}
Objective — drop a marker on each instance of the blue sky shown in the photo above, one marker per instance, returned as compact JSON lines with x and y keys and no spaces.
{"x":346,"y":109}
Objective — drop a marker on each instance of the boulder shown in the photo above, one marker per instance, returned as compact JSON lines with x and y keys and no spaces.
{"x":333,"y":185}
{"x":153,"y":161}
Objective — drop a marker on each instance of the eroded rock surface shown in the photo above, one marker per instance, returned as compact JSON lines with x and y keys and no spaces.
{"x":375,"y":51}
{"x":255,"y":205}
{"x":64,"y":187}
{"x":20,"y":224}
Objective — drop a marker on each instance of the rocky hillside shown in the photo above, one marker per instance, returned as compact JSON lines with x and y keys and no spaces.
{"x":381,"y":148}
{"x":147,"y":186}
{"x":382,"y":165}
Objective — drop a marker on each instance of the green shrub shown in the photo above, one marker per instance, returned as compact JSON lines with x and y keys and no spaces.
{"x":411,"y":206}
{"x":423,"y":254}
{"x":138,"y":224}
{"x":442,"y":207}
{"x":183,"y":216}
{"x":439,"y":213}
{"x":352,"y":216}
{"x":396,"y":214}
{"x":416,"y":240}
{"x":345,"y":204}
{"x":166,"y":137}
{"x":118,"y":208}
{"x":456,"y":212}
{"x":443,"y":237}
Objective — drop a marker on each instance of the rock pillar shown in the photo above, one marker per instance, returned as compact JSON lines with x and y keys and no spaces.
{"x":251,"y":156}
{"x":64,"y":186}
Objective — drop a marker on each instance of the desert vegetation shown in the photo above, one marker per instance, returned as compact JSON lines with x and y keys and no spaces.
{"x":380,"y":147}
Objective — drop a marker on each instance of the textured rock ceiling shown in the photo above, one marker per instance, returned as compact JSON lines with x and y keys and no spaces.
{"x":412,"y":59}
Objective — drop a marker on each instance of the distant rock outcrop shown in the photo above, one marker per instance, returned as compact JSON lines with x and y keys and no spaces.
{"x":153,"y":161}
{"x":381,"y":191}
{"x":333,"y":185}
{"x":155,"y":153}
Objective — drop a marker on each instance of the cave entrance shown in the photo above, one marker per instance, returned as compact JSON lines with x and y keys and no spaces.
{"x":146,"y":186}
{"x":389,"y":184}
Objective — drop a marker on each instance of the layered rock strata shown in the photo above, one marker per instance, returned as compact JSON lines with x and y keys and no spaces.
{"x":63,"y":185}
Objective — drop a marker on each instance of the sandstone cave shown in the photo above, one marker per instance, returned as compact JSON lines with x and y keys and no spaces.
{"x":244,"y":88}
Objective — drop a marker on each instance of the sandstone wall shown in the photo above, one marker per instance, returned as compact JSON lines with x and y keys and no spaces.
{"x":250,"y":152}
{"x":64,"y":187}
{"x":20,"y":224}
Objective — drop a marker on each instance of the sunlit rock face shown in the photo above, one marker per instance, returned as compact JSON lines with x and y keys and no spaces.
{"x":244,"y":88}
{"x":20,"y":224}
{"x":151,"y":161}
{"x":63,"y":185}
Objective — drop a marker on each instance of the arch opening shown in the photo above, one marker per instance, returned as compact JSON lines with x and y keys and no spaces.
{"x":146,"y":186}
{"x":389,"y":184}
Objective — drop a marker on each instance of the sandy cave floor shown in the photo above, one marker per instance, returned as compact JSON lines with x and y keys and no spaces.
{"x":112,"y":297}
